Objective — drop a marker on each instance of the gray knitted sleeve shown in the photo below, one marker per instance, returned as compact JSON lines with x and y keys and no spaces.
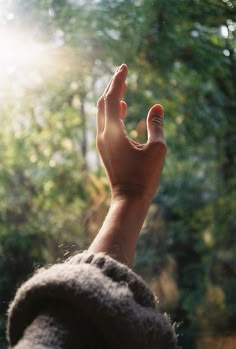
{"x":111,"y":298}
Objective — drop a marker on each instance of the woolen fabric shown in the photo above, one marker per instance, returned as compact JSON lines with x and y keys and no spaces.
{"x":90,"y":301}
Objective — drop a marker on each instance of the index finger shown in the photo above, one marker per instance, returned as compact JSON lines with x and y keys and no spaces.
{"x":114,"y":94}
{"x":101,"y":108}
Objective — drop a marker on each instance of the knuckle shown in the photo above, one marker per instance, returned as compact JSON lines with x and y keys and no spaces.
{"x":100,"y":102}
{"x":108,"y":97}
{"x":160,"y":146}
{"x":99,"y":141}
{"x":106,"y":134}
{"x":111,"y":97}
{"x":157,"y":120}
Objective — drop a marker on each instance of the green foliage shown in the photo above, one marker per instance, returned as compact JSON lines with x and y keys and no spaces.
{"x":180,"y":54}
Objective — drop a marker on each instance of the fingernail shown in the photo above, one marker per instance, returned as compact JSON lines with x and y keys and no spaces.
{"x":158,"y":110}
{"x":122,"y":67}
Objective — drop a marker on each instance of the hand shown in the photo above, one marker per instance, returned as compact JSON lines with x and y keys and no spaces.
{"x":134,"y":169}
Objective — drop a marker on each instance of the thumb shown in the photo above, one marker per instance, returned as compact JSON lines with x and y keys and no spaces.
{"x":155,"y":124}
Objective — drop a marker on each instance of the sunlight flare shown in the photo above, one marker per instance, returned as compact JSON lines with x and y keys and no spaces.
{"x":18,"y":50}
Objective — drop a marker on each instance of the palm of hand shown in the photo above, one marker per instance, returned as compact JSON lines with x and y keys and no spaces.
{"x":133,"y":169}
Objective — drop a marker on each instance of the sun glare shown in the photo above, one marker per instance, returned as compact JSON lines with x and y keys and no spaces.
{"x":18,"y":51}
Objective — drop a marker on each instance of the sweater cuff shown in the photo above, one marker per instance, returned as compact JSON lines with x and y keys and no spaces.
{"x":118,"y":273}
{"x":116,"y":301}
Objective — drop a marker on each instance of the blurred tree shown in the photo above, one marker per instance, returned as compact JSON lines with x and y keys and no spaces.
{"x":181,"y":54}
{"x":198,"y":191}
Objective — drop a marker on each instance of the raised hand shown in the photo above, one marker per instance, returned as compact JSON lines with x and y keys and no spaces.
{"x":133,"y":169}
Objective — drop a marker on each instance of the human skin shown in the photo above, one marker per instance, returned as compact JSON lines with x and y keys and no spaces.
{"x":133,"y":169}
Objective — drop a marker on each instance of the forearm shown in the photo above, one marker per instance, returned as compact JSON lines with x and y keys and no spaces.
{"x":133,"y":169}
{"x":120,"y":231}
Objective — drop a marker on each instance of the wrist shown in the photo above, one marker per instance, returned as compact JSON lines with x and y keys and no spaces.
{"x":119,"y":233}
{"x":132,"y":195}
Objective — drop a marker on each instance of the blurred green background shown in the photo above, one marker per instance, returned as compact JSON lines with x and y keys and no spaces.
{"x":55,"y":60}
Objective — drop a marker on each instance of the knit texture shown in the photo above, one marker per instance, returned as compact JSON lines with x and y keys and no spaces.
{"x":88,"y":295}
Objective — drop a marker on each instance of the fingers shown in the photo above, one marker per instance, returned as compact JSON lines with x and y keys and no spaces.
{"x":100,"y":117}
{"x":113,"y":97}
{"x":123,"y":90}
{"x":109,"y":106}
{"x":123,"y":107}
{"x":155,"y":124}
{"x":101,"y":109}
{"x":117,"y":84}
